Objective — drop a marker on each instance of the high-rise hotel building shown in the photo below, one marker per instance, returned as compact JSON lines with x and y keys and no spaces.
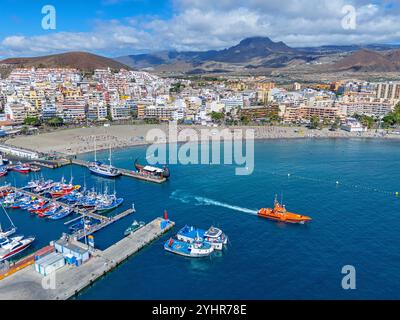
{"x":388,"y":90}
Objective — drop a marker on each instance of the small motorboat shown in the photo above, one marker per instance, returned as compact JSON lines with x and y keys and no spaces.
{"x":135,"y":226}
{"x":22,"y":168}
{"x":35,"y":168}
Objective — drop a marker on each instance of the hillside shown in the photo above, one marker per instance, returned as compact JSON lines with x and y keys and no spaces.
{"x":79,"y":60}
{"x":370,"y":61}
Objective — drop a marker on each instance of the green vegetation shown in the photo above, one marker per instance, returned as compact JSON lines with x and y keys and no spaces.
{"x":393,"y":118}
{"x":176,"y":88}
{"x":32,"y":121}
{"x":335,"y":125}
{"x":314,"y":122}
{"x":217,"y":116}
{"x":365,"y":120}
{"x":55,"y":122}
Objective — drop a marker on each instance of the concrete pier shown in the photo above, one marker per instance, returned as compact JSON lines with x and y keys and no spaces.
{"x":104,"y":223}
{"x":125,"y":172}
{"x":26,"y":284}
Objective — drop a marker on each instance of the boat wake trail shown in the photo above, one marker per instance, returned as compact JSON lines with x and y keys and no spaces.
{"x":202,"y":201}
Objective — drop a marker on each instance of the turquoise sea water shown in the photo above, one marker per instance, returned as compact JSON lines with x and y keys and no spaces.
{"x":346,"y":186}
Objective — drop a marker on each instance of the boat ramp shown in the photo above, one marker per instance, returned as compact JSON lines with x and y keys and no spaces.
{"x":68,"y":281}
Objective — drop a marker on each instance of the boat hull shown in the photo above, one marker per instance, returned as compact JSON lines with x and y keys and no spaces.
{"x":16,"y":251}
{"x":187,"y":250}
{"x":292,"y":218}
{"x":104,"y":174}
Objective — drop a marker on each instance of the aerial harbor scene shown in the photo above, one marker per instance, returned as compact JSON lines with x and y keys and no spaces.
{"x":168,"y":161}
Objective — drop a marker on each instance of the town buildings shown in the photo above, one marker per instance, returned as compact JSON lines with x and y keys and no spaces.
{"x":66,"y":93}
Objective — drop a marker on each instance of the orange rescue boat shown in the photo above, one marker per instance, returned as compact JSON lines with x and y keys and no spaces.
{"x":279,"y":213}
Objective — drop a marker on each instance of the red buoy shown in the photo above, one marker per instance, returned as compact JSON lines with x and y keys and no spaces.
{"x":165,"y":215}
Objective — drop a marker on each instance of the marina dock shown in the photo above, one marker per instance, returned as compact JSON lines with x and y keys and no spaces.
{"x":125,"y":172}
{"x":27,"y":284}
{"x":104,"y":220}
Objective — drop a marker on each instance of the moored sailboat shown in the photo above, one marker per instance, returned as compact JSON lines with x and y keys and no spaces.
{"x":102,"y":169}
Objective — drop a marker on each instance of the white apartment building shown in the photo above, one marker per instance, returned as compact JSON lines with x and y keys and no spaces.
{"x":97,"y":110}
{"x":162,"y":113}
{"x":74,"y":110}
{"x":388,"y":90}
{"x":369,"y":108}
{"x":16,"y":111}
{"x":232,"y":102}
{"x":120,"y":111}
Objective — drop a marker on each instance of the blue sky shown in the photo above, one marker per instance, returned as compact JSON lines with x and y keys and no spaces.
{"x":24,"y":16}
{"x":119,"y":27}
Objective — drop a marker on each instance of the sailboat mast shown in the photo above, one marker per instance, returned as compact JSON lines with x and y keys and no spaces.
{"x":12,"y":224}
{"x":95,"y":151}
{"x":110,"y":154}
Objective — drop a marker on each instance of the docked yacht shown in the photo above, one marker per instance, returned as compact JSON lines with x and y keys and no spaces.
{"x":14,"y":247}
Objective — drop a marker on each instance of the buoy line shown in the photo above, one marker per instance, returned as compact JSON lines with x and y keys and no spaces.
{"x":337,"y":183}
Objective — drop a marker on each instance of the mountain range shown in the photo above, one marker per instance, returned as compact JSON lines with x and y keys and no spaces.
{"x":251,"y":55}
{"x":260,"y":53}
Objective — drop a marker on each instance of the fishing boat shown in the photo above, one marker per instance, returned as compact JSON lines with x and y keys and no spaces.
{"x":102,"y":169}
{"x":5,"y":191}
{"x":197,"y":249}
{"x":108,"y":203}
{"x":135,"y":226}
{"x":213,"y":236}
{"x":31,"y":185}
{"x":153,"y":171}
{"x":35,"y":168}
{"x":22,"y":168}
{"x":20,"y":202}
{"x":279,"y":213}
{"x":61,"y":214}
{"x":42,"y":186}
{"x":49,"y":211}
{"x":72,"y":197}
{"x":32,"y":204}
{"x":38,"y":206}
{"x":4,"y":161}
{"x":10,"y":200}
{"x":3,"y":171}
{"x":62,"y":189}
{"x":14,"y":247}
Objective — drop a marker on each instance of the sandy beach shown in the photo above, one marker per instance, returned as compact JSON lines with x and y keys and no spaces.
{"x":81,"y":140}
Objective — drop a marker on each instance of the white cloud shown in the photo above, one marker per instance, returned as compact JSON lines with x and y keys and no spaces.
{"x":211,"y":24}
